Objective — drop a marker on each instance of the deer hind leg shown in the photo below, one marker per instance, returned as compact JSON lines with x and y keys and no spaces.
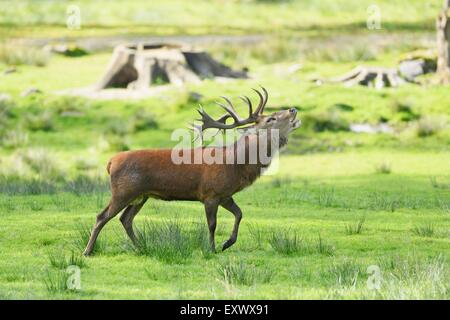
{"x":211,"y":207}
{"x":231,"y":206}
{"x":112,"y":209}
{"x":128,"y":215}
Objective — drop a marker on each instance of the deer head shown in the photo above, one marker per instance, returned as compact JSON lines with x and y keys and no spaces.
{"x":284,"y":121}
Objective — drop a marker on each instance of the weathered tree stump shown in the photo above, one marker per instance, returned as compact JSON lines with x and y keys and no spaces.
{"x":139,"y":66}
{"x":376,"y":77}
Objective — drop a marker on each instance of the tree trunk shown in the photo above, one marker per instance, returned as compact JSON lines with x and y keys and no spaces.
{"x":139,"y":66}
{"x":443,"y":43}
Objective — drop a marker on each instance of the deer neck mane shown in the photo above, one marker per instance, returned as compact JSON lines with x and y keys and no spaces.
{"x":258,"y":149}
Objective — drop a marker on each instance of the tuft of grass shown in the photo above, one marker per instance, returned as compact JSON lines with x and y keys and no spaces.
{"x":326,"y":197}
{"x":356,"y":228}
{"x":36,"y":205}
{"x":237,"y":272}
{"x":425,"y":230}
{"x":345,"y":273}
{"x":256,"y":234}
{"x":281,"y":181}
{"x":167,"y":241}
{"x":61,"y":202}
{"x":56,"y":281}
{"x":200,"y":239}
{"x":414,"y":277}
{"x":438,"y":185}
{"x":286,"y":242}
{"x":324,"y":247}
{"x":289,"y":243}
{"x":83,"y":184}
{"x":59,"y":260}
{"x":13,"y":185}
{"x":383,"y":168}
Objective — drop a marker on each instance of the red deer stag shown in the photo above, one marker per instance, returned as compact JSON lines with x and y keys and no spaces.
{"x":137,"y":175}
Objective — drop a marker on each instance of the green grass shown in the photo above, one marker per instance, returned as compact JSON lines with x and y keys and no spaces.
{"x":202,"y":17}
{"x":117,"y":271}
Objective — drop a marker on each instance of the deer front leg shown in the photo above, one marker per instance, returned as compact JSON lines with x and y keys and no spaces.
{"x":231,"y":206}
{"x":211,"y":207}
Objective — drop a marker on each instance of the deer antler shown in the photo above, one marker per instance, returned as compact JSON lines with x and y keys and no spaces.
{"x":208,"y":122}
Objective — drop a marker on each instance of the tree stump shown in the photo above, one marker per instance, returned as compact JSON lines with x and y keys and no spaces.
{"x":376,"y":77}
{"x":139,"y":66}
{"x":443,"y":44}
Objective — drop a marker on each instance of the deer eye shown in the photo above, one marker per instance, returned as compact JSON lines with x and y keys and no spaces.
{"x":271,"y":119}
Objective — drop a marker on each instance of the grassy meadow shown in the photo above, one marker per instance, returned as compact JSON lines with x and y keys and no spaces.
{"x":340,"y":202}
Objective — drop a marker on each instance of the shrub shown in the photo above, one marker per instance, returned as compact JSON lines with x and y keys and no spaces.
{"x":42,"y":121}
{"x":85,"y":163}
{"x":36,"y":206}
{"x":85,"y":185}
{"x":429,"y":126}
{"x":16,"y":55}
{"x":41,"y":162}
{"x":144,"y":120}
{"x":438,"y":185}
{"x":117,"y":126}
{"x":14,"y":139}
{"x":326,"y":121}
{"x":14,"y":185}
{"x":118,"y":143}
{"x":6,"y":106}
{"x":383,"y":168}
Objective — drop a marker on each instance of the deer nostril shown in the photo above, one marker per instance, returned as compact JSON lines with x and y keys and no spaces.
{"x":293,"y":110}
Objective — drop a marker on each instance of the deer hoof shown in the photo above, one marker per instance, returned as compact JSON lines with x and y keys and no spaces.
{"x":227,"y":244}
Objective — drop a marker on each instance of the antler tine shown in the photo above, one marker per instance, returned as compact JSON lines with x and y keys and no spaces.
{"x":266,"y":95}
{"x":230,"y":109}
{"x":209,"y":122}
{"x":249,"y":103}
{"x":261,"y":104}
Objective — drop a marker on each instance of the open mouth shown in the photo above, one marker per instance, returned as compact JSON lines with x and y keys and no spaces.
{"x":295,"y":123}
